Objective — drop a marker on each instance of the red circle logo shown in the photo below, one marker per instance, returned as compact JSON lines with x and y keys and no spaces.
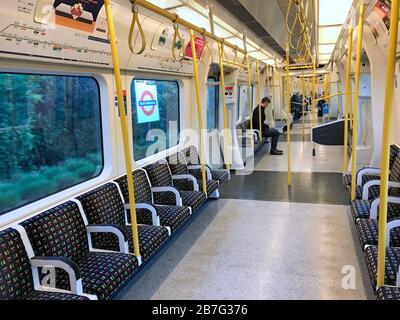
{"x":148,"y":94}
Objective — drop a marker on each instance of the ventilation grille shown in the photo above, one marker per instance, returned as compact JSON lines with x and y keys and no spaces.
{"x":241,"y":13}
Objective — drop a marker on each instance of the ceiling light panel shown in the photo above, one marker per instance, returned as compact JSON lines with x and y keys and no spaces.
{"x":329,"y":34}
{"x":333,"y":12}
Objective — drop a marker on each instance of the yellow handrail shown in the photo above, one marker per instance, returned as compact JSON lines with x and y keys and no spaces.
{"x":250,"y":98}
{"x":302,"y":101}
{"x":348,"y":99}
{"x":387,"y":126}
{"x":273,"y":95}
{"x":124,"y":127}
{"x":199,"y":114}
{"x":135,"y":20}
{"x":269,"y":110}
{"x":330,"y":96}
{"x":259,"y":99}
{"x":355,"y":106}
{"x":176,"y":19}
{"x":224,"y":110}
{"x":288,"y":111}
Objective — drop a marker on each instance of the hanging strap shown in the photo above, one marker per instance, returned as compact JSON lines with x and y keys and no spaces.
{"x":135,"y":20}
{"x":177,"y":37}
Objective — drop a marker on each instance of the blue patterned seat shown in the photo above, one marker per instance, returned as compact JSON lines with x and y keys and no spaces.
{"x":193,"y":158}
{"x":394,"y":152}
{"x":178,"y":166}
{"x":104,"y":206}
{"x":170,"y":216}
{"x":360,"y":209}
{"x":391,"y":265}
{"x":388,"y":293}
{"x":16,"y":280}
{"x":367,"y":230}
{"x":61,"y":232}
{"x":160,"y":176}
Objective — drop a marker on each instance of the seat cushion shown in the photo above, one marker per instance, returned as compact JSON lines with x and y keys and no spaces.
{"x":391,"y":266}
{"x":360,"y":209}
{"x":367,"y":230}
{"x":193,"y":199}
{"x":104,"y":273}
{"x":170,"y":216}
{"x":42,"y":295}
{"x":219,"y":175}
{"x":373,"y":192}
{"x":187,"y":185}
{"x":365,"y":178}
{"x":388,"y":293}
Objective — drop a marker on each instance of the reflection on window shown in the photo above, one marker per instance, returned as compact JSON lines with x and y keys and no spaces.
{"x":50,"y":136}
{"x":155,"y":116}
{"x":247,"y":107}
{"x":212,"y":104}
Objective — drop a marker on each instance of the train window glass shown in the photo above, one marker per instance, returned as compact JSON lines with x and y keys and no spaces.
{"x":50,"y":135}
{"x":247,"y":107}
{"x":155,"y":116}
{"x":212,"y":104}
{"x":238,"y":103}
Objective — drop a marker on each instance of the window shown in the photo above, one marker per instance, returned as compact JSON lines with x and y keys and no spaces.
{"x":212,"y":104}
{"x":238,"y":104}
{"x":50,"y":135}
{"x":247,"y":108}
{"x":155,"y":116}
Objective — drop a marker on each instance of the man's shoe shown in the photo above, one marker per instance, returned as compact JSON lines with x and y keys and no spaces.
{"x":276,"y":152}
{"x":279,"y":150}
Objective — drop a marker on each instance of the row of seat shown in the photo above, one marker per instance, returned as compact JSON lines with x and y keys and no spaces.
{"x":83,"y":249}
{"x":244,"y":137}
{"x":365,"y":212}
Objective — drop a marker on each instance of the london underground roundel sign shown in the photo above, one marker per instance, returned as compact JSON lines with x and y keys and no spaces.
{"x":146,"y":101}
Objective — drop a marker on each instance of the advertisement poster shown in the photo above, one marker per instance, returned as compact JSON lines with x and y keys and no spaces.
{"x":75,"y":14}
{"x":199,"y":44}
{"x":379,"y":22}
{"x":146,"y":101}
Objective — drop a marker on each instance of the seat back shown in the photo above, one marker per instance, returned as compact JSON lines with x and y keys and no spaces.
{"x":15,"y":269}
{"x":191,"y":155}
{"x":104,"y":205}
{"x":394,"y":152}
{"x":141,"y":185}
{"x":395,"y":171}
{"x":59,"y":231}
{"x":177,"y":163}
{"x":159,"y":174}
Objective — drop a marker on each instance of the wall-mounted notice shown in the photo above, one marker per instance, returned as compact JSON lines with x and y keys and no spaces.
{"x":379,"y":22}
{"x":229,"y":94}
{"x":146,"y":101}
{"x":199,"y":44}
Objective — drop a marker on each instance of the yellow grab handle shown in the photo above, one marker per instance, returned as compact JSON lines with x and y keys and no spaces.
{"x":124,"y":127}
{"x":135,"y":20}
{"x":199,"y":114}
{"x":178,"y":37}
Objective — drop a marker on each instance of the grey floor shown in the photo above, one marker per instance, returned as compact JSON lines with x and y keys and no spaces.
{"x":263,"y":240}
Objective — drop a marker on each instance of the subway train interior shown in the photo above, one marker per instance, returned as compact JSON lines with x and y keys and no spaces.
{"x":199,"y":150}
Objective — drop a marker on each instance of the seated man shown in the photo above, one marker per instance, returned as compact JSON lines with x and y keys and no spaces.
{"x":267,"y":132}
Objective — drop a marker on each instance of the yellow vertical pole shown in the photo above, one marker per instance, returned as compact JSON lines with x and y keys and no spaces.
{"x":269,"y":94}
{"x":355,"y":106}
{"x":288,"y":109}
{"x":273,"y":95}
{"x":250,"y":98}
{"x":348,"y":99}
{"x":314,"y":90}
{"x":259,"y":98}
{"x":302,"y":102}
{"x":387,"y":126}
{"x":124,"y":126}
{"x":280,"y":96}
{"x":224,"y":111}
{"x":199,"y":114}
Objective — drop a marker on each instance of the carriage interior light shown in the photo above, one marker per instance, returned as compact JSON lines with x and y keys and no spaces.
{"x":332,"y":15}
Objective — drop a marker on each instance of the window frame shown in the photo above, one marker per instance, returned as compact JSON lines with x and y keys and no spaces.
{"x":145,"y":160}
{"x":53,"y":199}
{"x":217,"y":101}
